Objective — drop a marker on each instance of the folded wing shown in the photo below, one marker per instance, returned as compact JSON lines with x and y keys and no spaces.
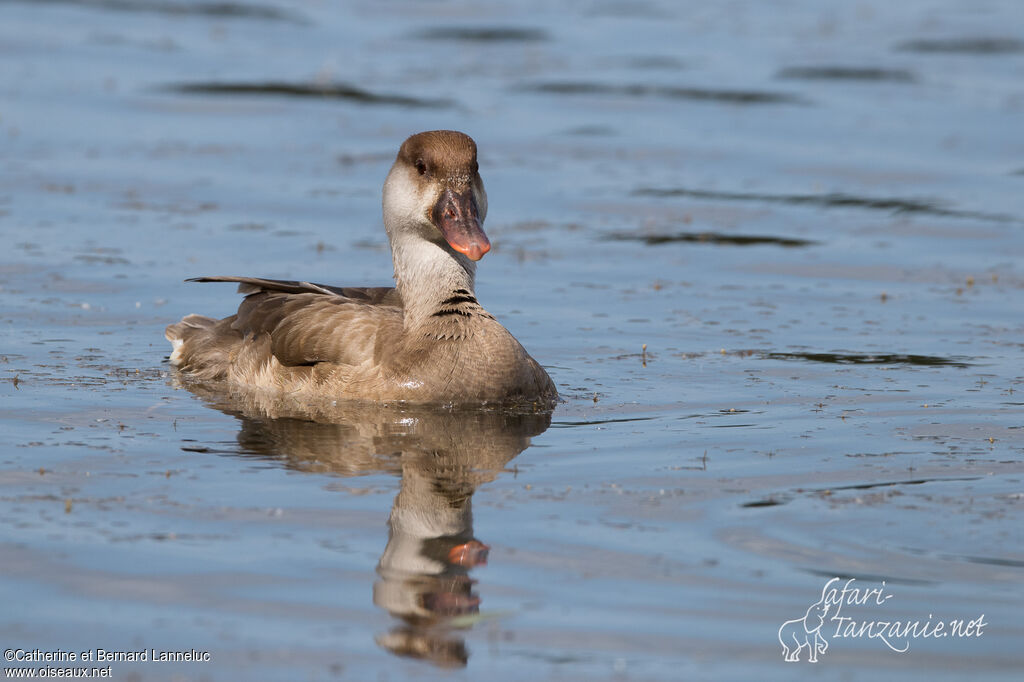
{"x":308,"y":324}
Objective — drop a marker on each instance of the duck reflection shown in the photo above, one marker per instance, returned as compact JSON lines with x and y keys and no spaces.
{"x":442,"y":457}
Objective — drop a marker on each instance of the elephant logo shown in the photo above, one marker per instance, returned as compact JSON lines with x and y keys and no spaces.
{"x":796,"y":634}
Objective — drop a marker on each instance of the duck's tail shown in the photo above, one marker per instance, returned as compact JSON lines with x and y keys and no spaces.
{"x":199,"y":345}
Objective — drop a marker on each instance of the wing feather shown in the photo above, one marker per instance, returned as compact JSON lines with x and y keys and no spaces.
{"x":312,"y":323}
{"x":255,"y":285}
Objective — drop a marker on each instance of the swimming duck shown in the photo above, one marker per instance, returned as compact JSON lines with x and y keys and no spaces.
{"x":426,"y":340}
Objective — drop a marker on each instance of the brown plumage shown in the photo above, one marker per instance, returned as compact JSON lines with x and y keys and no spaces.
{"x":427,"y":340}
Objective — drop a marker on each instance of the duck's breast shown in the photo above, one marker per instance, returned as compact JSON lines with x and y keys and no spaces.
{"x":486,"y":364}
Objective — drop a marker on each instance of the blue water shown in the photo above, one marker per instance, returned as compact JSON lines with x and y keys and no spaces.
{"x":769,"y":252}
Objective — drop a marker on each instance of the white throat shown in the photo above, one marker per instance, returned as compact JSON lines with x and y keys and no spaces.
{"x":427,"y":269}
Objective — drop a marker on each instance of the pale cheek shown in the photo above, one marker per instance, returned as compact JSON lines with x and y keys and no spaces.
{"x":405,"y":198}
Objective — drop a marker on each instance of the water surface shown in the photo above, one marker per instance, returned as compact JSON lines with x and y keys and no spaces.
{"x":770,"y":254}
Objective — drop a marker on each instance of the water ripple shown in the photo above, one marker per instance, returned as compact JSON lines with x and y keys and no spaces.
{"x":220,"y":10}
{"x":846,"y":73}
{"x":973,"y":46}
{"x":872,"y":359}
{"x":830,"y":200}
{"x":484,"y":34}
{"x":315,"y":90}
{"x":666,"y":91}
{"x":716,"y":238}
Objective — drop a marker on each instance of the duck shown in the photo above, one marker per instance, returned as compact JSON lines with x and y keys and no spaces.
{"x":427,"y":340}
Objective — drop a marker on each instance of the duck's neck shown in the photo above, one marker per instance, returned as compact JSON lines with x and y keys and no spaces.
{"x":428,"y":275}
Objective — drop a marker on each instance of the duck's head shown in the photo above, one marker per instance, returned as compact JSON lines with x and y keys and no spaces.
{"x":434,"y":190}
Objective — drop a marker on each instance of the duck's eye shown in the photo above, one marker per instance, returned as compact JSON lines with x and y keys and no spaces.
{"x":421,"y":167}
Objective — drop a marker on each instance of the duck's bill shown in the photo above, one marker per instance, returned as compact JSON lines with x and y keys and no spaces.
{"x":458,"y":218}
{"x":470,"y":554}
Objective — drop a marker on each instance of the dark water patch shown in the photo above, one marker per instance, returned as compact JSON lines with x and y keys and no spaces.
{"x":484,"y":34}
{"x":591,"y":131}
{"x":876,"y":454}
{"x":555,"y":659}
{"x":973,"y":46}
{"x":893,"y":484}
{"x":220,"y":10}
{"x":667,"y":92}
{"x":712,"y":238}
{"x":846,"y":73}
{"x":992,"y":561}
{"x":342,"y":91}
{"x":226,"y":447}
{"x":346,"y":159}
{"x":872,"y":359}
{"x":895,"y":205}
{"x":768,"y":502}
{"x":1019,"y":171}
{"x":730,"y":412}
{"x":567,"y":425}
{"x":869,"y":577}
{"x":656,"y":62}
{"x":102,"y":259}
